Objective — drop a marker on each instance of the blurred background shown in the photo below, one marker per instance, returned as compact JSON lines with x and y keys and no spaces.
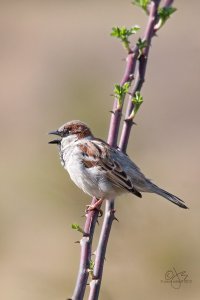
{"x":59,"y":63}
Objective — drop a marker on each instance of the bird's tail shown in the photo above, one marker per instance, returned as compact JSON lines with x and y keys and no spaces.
{"x":174,"y":199}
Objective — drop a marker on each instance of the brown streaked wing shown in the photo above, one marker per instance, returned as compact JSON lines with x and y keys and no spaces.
{"x":90,"y":153}
{"x":116,"y":174}
{"x":100,"y":156}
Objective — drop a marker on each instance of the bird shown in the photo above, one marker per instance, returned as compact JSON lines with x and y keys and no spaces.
{"x":102,"y":171}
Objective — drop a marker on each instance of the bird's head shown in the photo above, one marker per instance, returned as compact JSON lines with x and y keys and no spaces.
{"x":73,"y":130}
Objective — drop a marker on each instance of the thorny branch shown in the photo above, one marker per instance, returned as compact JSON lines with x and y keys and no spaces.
{"x":135,"y":63}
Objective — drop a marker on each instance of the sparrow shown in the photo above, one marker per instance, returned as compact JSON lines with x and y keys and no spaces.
{"x":100,"y":170}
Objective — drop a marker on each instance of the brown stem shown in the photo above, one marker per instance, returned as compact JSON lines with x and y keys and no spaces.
{"x":92,"y":216}
{"x":101,"y":250}
{"x":109,"y":210}
{"x":86,"y":251}
{"x":140,"y":77}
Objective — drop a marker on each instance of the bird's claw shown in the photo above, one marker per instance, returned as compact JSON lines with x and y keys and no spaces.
{"x":94,"y":207}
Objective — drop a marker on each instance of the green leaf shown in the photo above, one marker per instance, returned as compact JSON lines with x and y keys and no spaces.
{"x":164,"y":14}
{"x":91,"y":265}
{"x":77,"y":227}
{"x":91,"y":268}
{"x":123,"y":34}
{"x":142,"y":3}
{"x":137,"y":101}
{"x":120,"y":92}
{"x":141,"y":45}
{"x":126,"y":87}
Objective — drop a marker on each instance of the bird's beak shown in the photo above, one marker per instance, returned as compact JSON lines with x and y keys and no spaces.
{"x":54,"y":142}
{"x":55,"y":132}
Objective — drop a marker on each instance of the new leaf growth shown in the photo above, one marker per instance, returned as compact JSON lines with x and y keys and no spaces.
{"x":137,"y":101}
{"x":123,"y":34}
{"x":164,"y":14}
{"x":141,"y":45}
{"x":120,"y":93}
{"x":77,"y":227}
{"x":91,"y":268}
{"x":142,"y":3}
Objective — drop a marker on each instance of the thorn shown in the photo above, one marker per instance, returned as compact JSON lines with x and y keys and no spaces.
{"x":130,"y":121}
{"x":77,"y":242}
{"x":113,"y":211}
{"x":96,"y":278}
{"x":116,"y":111}
{"x":86,"y":234}
{"x":115,"y":218}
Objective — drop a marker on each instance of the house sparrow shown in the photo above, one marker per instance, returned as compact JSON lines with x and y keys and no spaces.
{"x":100,"y":170}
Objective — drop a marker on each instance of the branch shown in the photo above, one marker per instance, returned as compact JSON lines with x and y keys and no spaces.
{"x":109,"y":209}
{"x":101,"y":250}
{"x":136,"y":56}
{"x":86,"y":251}
{"x":117,"y":112}
{"x":140,"y":77}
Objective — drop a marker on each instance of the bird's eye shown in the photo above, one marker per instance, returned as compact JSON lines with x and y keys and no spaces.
{"x":66,"y":131}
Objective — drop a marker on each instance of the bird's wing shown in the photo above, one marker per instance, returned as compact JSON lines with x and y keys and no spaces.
{"x":97,"y":153}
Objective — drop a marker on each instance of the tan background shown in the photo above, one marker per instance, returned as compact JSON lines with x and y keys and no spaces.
{"x":59,"y":63}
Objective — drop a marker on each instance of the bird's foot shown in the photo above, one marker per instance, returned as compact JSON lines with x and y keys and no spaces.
{"x":95,"y":206}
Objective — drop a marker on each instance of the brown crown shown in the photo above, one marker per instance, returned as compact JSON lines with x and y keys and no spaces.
{"x":76,"y":127}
